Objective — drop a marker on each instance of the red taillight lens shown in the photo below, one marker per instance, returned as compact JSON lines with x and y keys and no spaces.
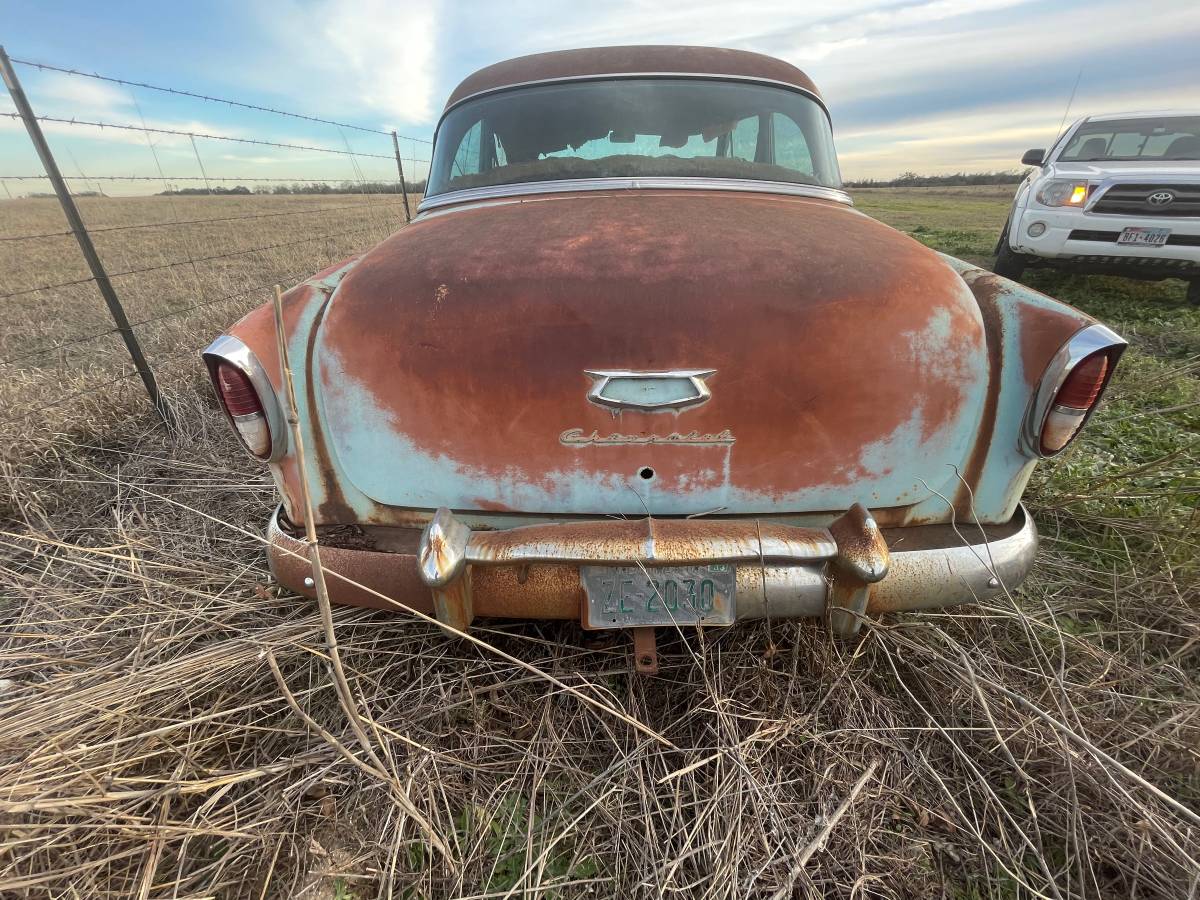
{"x":245,"y":408}
{"x":236,"y":391}
{"x":1084,"y":384}
{"x":1073,"y":402}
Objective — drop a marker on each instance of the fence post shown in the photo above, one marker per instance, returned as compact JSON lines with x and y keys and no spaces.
{"x":81,"y":234}
{"x":400,"y":169}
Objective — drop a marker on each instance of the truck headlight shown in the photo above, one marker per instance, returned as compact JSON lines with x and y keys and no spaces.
{"x":1063,"y":193}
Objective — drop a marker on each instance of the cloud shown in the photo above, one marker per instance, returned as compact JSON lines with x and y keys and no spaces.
{"x":929,"y":85}
{"x":370,"y":58}
{"x":85,"y":97}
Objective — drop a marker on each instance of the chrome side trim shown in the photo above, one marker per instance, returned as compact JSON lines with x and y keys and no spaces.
{"x":229,"y":349}
{"x":602,"y":377}
{"x":1083,"y":343}
{"x":528,"y":188}
{"x":608,"y":76}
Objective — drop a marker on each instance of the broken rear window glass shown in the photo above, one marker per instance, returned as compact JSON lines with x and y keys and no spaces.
{"x":634,"y":127}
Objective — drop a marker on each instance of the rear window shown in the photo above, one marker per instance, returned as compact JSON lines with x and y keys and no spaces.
{"x":635,"y":127}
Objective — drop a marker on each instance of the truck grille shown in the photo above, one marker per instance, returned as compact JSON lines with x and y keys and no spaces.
{"x":1134,"y":200}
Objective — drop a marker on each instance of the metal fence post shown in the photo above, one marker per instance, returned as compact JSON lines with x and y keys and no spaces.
{"x":81,"y":234}
{"x":400,"y":169}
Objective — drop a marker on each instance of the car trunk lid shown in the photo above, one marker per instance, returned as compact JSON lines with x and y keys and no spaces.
{"x":845,"y":361}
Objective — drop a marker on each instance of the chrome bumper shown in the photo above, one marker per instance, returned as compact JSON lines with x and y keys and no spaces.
{"x":845,"y":571}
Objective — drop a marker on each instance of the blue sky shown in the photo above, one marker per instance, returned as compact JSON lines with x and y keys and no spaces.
{"x":927,"y":85}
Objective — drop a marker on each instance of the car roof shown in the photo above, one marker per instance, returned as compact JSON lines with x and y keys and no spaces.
{"x":1144,"y":114}
{"x":660,"y":59}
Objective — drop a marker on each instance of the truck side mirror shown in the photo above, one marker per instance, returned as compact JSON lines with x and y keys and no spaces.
{"x":1033,"y":158}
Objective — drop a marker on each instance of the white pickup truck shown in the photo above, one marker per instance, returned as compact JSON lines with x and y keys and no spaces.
{"x":1116,"y":195}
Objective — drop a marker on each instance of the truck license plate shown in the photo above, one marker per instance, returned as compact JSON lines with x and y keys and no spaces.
{"x":1144,"y":237}
{"x":630,"y":596}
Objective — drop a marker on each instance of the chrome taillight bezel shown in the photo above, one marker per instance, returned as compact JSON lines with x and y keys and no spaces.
{"x":1084,"y":343}
{"x":230,"y":350}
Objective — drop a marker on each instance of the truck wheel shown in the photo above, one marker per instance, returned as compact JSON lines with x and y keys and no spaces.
{"x":1008,"y":264}
{"x":1193,"y":293}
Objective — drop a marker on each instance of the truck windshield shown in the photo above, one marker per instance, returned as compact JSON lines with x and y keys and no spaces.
{"x":635,"y":127}
{"x":1155,"y":137}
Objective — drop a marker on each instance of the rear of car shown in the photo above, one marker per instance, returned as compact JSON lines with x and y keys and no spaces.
{"x":1115,"y":195}
{"x":638,"y":362}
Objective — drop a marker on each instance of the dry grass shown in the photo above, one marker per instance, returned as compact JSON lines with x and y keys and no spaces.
{"x":1045,"y":745}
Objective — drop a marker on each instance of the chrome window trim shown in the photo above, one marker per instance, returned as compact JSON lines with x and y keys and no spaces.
{"x":528,"y":188}
{"x":1082,"y":344}
{"x":229,"y":349}
{"x":605,"y":76}
{"x":602,"y":377}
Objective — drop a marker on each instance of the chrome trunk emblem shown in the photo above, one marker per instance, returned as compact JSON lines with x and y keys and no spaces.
{"x":649,"y":391}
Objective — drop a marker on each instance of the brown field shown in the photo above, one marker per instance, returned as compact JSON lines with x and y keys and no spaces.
{"x":1044,"y":745}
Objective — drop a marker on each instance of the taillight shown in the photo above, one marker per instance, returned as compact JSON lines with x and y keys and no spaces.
{"x":1070,"y":389}
{"x":245,"y":408}
{"x":1074,"y":401}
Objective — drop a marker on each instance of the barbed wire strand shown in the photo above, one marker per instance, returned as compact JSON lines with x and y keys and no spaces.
{"x":285,"y":278}
{"x":243,"y":105}
{"x":291,"y":212}
{"x":187,"y":236}
{"x":119,"y":126}
{"x":184,"y":262}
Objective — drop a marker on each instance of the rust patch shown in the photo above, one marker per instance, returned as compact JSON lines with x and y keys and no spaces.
{"x":391,"y":574}
{"x":623,"y":60}
{"x":547,"y":592}
{"x":1044,"y":327}
{"x":333,"y":508}
{"x":653,"y":541}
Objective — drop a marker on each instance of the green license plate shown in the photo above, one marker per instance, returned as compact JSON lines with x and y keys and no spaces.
{"x":630,"y":596}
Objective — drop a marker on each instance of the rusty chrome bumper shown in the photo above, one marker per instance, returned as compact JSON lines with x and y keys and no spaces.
{"x":845,"y":571}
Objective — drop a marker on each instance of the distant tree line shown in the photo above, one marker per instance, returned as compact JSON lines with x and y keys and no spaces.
{"x":912,"y":179}
{"x":43,"y":195}
{"x":302,"y":187}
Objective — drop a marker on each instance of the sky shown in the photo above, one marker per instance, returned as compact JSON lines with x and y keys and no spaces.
{"x":930,"y":86}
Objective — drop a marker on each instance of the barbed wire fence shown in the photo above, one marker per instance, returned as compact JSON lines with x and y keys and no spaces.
{"x":173,"y":267}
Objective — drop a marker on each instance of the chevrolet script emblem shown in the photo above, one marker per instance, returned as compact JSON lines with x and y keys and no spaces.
{"x":649,"y":391}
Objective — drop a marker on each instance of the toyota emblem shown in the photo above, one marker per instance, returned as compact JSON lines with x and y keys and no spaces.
{"x":1160,"y":198}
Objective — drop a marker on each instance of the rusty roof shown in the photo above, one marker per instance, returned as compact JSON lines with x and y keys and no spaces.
{"x":650,"y":59}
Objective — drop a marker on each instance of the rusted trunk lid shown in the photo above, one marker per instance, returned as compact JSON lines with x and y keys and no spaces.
{"x":848,"y":361}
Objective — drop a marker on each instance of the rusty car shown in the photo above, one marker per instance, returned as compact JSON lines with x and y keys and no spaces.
{"x":638,"y":362}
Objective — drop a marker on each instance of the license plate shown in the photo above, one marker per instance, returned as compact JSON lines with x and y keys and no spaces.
{"x":629,"y":596}
{"x":1145,"y":237}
